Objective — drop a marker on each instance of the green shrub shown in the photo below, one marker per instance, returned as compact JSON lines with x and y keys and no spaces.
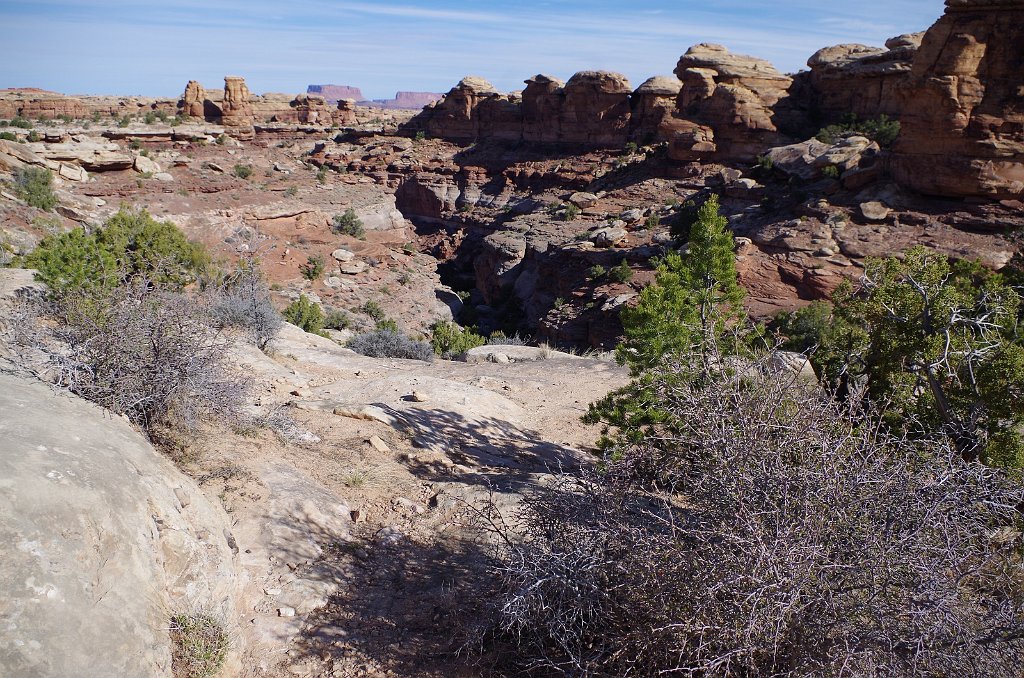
{"x":8,"y":136}
{"x":221,"y":139}
{"x":596,"y":272}
{"x":685,"y":218}
{"x":349,"y":224}
{"x":34,"y":136}
{"x":149,"y":118}
{"x":124,"y":121}
{"x":449,"y":340}
{"x":830,"y":171}
{"x":652,"y":222}
{"x":313,"y":268}
{"x":387,"y":324}
{"x":631,"y":148}
{"x":621,"y":273}
{"x":321,"y":175}
{"x":420,"y":136}
{"x":880,"y":129}
{"x":130,"y":245}
{"x":243,"y":171}
{"x":571,"y":213}
{"x":21,"y":122}
{"x":336,"y":319}
{"x":306,"y":314}
{"x":373,"y":309}
{"x":35,"y":186}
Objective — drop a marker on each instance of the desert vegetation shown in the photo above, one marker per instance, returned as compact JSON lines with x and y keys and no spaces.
{"x":138,"y":321}
{"x":746,"y":521}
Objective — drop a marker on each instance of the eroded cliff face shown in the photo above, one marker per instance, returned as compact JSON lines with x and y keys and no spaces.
{"x":860,"y":80}
{"x":963,"y":105}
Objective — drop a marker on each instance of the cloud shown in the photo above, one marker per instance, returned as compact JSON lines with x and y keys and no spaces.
{"x":127,"y":46}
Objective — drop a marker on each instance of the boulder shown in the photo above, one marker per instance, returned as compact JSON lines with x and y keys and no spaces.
{"x":874,"y":211}
{"x":963,"y":105}
{"x":106,"y":540}
{"x":145,"y":165}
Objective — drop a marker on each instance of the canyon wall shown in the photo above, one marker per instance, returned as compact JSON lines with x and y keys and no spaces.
{"x":963,"y":104}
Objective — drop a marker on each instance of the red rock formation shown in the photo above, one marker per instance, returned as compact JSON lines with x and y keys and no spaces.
{"x":335,"y":93}
{"x":653,"y":103}
{"x":596,"y":109}
{"x":456,"y":116}
{"x":346,"y":113}
{"x":963,"y":106}
{"x":408,"y":101}
{"x":40,"y":105}
{"x":727,"y":98}
{"x":860,"y":80}
{"x":542,"y":106}
{"x":192,"y":100}
{"x":236,"y":110}
{"x":312,"y":109}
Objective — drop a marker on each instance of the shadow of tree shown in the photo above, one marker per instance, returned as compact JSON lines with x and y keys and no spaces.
{"x":500,"y":454}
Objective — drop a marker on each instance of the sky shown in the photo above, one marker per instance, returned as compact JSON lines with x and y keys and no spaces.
{"x":153,"y":48}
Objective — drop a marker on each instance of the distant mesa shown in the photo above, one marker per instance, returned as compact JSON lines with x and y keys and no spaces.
{"x":335,"y":93}
{"x":412,"y":101}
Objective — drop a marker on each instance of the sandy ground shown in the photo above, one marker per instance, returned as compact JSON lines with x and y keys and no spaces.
{"x":367,"y":543}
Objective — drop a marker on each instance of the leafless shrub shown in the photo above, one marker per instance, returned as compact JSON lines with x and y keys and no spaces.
{"x":761,"y":529}
{"x":386,"y":343}
{"x":151,"y":355}
{"x":242,"y":300}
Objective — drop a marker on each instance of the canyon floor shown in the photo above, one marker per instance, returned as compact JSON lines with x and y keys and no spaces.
{"x":349,"y":549}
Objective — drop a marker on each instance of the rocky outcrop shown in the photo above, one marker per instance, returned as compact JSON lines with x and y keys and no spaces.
{"x":542,"y":105}
{"x":236,"y":110}
{"x":727,"y":104}
{"x":456,"y":116}
{"x":595,"y":111}
{"x":39,"y":104}
{"x":192,"y":100}
{"x":860,"y":80}
{"x":106,"y":540}
{"x":963,"y":105}
{"x":346,"y":112}
{"x":653,"y":104}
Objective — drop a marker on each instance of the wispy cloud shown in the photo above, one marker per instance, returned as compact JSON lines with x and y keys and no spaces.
{"x":412,"y":44}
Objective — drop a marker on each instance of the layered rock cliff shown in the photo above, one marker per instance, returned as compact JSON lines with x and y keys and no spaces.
{"x":963,"y":104}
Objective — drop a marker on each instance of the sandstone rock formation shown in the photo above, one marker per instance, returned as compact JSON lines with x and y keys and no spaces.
{"x":542,"y":105}
{"x":963,"y":105}
{"x":596,"y":109}
{"x":860,"y":80}
{"x":192,"y":100}
{"x":405,"y":101}
{"x":456,"y":116}
{"x":41,"y":105}
{"x":236,"y":110}
{"x":105,"y":538}
{"x":731,"y":95}
{"x":653,"y":103}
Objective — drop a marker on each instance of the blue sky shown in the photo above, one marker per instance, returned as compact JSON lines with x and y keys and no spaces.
{"x":154,"y":48}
